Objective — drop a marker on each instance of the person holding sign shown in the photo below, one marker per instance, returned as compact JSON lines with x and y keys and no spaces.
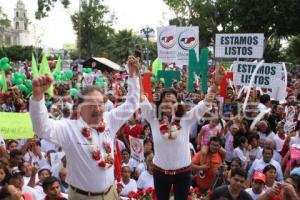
{"x":88,"y":141}
{"x":170,"y":126}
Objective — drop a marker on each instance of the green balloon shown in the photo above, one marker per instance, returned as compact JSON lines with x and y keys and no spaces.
{"x":22,"y":88}
{"x":4,"y":64}
{"x":87,"y":70}
{"x":69,"y":74}
{"x":23,"y":76}
{"x":17,"y":81}
{"x":73,"y":92}
{"x":28,"y":84}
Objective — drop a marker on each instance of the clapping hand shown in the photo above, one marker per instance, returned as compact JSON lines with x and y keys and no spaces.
{"x":39,"y":86}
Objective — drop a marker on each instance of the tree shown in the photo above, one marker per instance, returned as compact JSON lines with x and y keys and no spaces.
{"x":44,"y":6}
{"x":95,"y":32}
{"x":292,"y":53}
{"x":18,"y":53}
{"x":4,"y":23}
{"x":122,"y":45}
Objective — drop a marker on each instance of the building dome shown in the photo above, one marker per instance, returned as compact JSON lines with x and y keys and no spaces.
{"x":20,"y":4}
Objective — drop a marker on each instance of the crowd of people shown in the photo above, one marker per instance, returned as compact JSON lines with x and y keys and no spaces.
{"x":196,"y":145}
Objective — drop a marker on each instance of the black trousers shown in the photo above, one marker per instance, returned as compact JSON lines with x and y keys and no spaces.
{"x":181,"y":185}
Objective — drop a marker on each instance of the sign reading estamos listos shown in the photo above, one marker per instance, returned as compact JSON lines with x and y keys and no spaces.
{"x":266,"y":76}
{"x":239,"y":45}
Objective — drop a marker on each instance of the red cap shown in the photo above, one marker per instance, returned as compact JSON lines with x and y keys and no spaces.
{"x":259,"y":176}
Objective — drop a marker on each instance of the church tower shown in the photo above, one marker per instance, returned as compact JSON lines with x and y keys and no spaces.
{"x":20,"y":25}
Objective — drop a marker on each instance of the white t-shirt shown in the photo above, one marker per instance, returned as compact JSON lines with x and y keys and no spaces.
{"x":252,"y":194}
{"x":279,"y":142}
{"x":131,"y":186}
{"x":141,"y":167}
{"x":145,"y":181}
{"x":47,"y":146}
{"x":243,"y":155}
{"x":40,"y":192}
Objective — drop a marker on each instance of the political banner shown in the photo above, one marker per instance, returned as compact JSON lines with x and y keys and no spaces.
{"x":136,"y":148}
{"x":266,"y":76}
{"x":239,"y":45}
{"x":174,"y":44}
{"x":188,"y":38}
{"x":15,"y":125}
{"x":166,"y":44}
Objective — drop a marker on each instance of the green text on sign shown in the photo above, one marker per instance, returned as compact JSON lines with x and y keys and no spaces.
{"x":15,"y":125}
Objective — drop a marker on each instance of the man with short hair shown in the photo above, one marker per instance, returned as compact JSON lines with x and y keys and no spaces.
{"x":51,"y":187}
{"x":88,"y":142}
{"x":259,"y":164}
{"x":234,"y":191}
{"x":258,"y":184}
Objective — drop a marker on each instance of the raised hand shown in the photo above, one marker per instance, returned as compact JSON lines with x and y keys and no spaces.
{"x":39,"y":86}
{"x":214,"y":90}
{"x":133,"y":66}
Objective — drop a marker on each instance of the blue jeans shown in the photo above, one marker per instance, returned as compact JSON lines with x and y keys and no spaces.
{"x":181,"y":185}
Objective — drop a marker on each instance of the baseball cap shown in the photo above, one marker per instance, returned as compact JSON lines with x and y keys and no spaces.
{"x":259,"y":176}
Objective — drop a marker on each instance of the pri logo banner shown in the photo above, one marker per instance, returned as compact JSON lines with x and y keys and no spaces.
{"x":187,"y":39}
{"x":175,"y":42}
{"x":167,"y":38}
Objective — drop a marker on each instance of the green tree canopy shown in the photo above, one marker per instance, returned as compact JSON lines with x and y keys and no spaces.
{"x":44,"y":6}
{"x":93,"y":30}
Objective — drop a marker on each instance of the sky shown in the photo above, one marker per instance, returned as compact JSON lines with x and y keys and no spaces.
{"x":56,"y":29}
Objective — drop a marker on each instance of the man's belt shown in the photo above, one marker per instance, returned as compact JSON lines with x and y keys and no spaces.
{"x":86,"y":193}
{"x":173,"y":172}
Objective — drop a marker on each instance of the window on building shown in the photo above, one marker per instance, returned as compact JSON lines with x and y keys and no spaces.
{"x":25,"y":26}
{"x":17,"y":25}
{"x":17,"y":14}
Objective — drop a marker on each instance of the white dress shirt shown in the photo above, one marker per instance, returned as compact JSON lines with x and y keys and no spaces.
{"x":83,"y":171}
{"x":172,"y":154}
{"x":259,"y":165}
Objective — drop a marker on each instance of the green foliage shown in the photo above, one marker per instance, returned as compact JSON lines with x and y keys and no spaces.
{"x":292,"y":53}
{"x":44,"y":6}
{"x":94,"y":32}
{"x":17,"y":53}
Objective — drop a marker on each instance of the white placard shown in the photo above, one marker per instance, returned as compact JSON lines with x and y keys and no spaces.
{"x":188,"y":38}
{"x":267,"y":75}
{"x":166,"y":44}
{"x":239,"y":45}
{"x":173,"y":43}
{"x":137,"y":148}
{"x":289,"y":126}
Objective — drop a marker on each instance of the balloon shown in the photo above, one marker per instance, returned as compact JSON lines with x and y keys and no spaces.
{"x":22,"y":88}
{"x":99,"y":83}
{"x":73,"y":92}
{"x":87,"y":70}
{"x":64,"y":77}
{"x":17,"y":81}
{"x":23,"y":76}
{"x":4,"y":64}
{"x":28,"y":84}
{"x":69,"y":74}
